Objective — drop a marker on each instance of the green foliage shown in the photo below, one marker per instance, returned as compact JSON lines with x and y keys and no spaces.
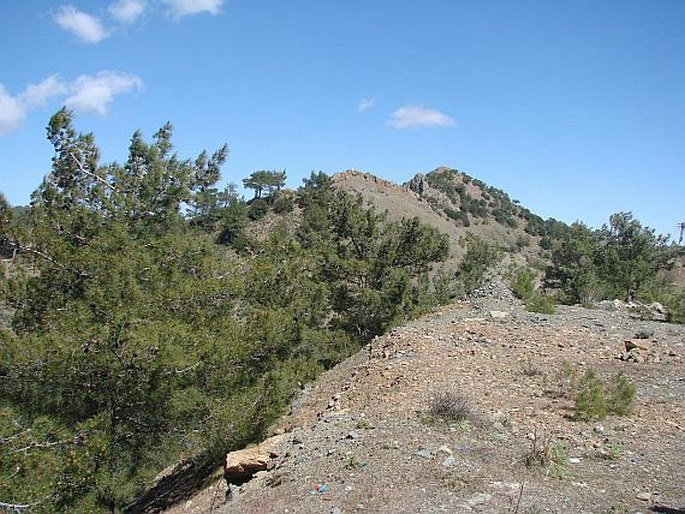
{"x":674,"y":301}
{"x":368,"y":261}
{"x":265,"y":182}
{"x":574,"y":271}
{"x":621,"y":399}
{"x":547,"y":455}
{"x":633,"y":254}
{"x":138,"y":340}
{"x":258,"y":207}
{"x":283,"y":202}
{"x":540,"y":303}
{"x":522,"y":284}
{"x":590,"y":402}
{"x":621,"y":259}
{"x":595,"y":398}
{"x":479,"y":258}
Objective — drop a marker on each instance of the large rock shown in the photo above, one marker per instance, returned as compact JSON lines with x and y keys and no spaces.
{"x":244,"y":463}
{"x":610,"y":305}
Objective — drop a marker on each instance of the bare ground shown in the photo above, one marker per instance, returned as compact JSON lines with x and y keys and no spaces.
{"x":362,"y":439}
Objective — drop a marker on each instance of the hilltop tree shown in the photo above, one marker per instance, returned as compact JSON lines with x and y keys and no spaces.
{"x":265,"y":182}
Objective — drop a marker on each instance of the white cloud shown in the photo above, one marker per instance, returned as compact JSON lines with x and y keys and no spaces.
{"x":38,"y":94}
{"x":180,"y":8}
{"x":83,"y":25}
{"x":126,"y":11}
{"x":413,"y":116}
{"x":92,"y":93}
{"x":12,"y":113}
{"x":89,"y":94}
{"x":366,"y":103}
{"x":13,"y":109}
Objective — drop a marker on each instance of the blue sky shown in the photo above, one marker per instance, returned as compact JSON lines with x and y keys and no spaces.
{"x":577,"y":109}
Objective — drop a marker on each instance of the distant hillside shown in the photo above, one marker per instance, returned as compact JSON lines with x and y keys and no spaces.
{"x":456,"y":204}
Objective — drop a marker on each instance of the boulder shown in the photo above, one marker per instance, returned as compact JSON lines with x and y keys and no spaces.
{"x":242,"y":464}
{"x":610,"y":305}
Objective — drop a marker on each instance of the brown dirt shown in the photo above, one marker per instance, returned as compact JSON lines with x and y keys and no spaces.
{"x":364,"y":430}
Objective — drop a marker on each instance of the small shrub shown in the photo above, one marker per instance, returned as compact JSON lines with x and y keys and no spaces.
{"x":596,"y":398}
{"x":540,"y":303}
{"x":621,"y":396}
{"x":353,"y":463}
{"x":522,"y":284}
{"x":611,"y":452}
{"x":590,"y":402}
{"x":283,"y":202}
{"x":363,"y":424}
{"x":529,"y":369}
{"x":451,"y":406}
{"x":545,"y":454}
{"x":522,"y":241}
{"x":257,"y":209}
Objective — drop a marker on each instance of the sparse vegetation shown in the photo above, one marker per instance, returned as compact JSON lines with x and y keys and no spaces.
{"x":529,"y":368}
{"x":547,"y":455}
{"x":353,"y":463}
{"x":611,"y":451}
{"x":451,"y":407}
{"x":621,"y":399}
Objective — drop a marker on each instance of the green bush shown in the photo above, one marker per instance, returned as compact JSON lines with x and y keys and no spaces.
{"x":479,"y":257}
{"x":522,"y":284}
{"x":596,"y":398}
{"x":590,"y":402}
{"x":540,"y":303}
{"x":258,"y":209}
{"x":283,"y":202}
{"x":522,"y":241}
{"x":621,"y":396}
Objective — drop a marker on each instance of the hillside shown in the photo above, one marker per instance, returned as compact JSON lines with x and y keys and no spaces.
{"x":160,"y":332}
{"x":457,"y":205}
{"x":362,"y":438}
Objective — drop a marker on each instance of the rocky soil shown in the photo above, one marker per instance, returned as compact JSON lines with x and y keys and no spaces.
{"x":363,"y":438}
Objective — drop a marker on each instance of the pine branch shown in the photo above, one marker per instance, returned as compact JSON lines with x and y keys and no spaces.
{"x":93,"y":175}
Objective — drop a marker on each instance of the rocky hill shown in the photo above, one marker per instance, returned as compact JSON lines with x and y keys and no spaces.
{"x":473,"y":409}
{"x":456,"y":204}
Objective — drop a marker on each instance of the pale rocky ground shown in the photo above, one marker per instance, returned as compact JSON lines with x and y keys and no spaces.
{"x":363,"y":430}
